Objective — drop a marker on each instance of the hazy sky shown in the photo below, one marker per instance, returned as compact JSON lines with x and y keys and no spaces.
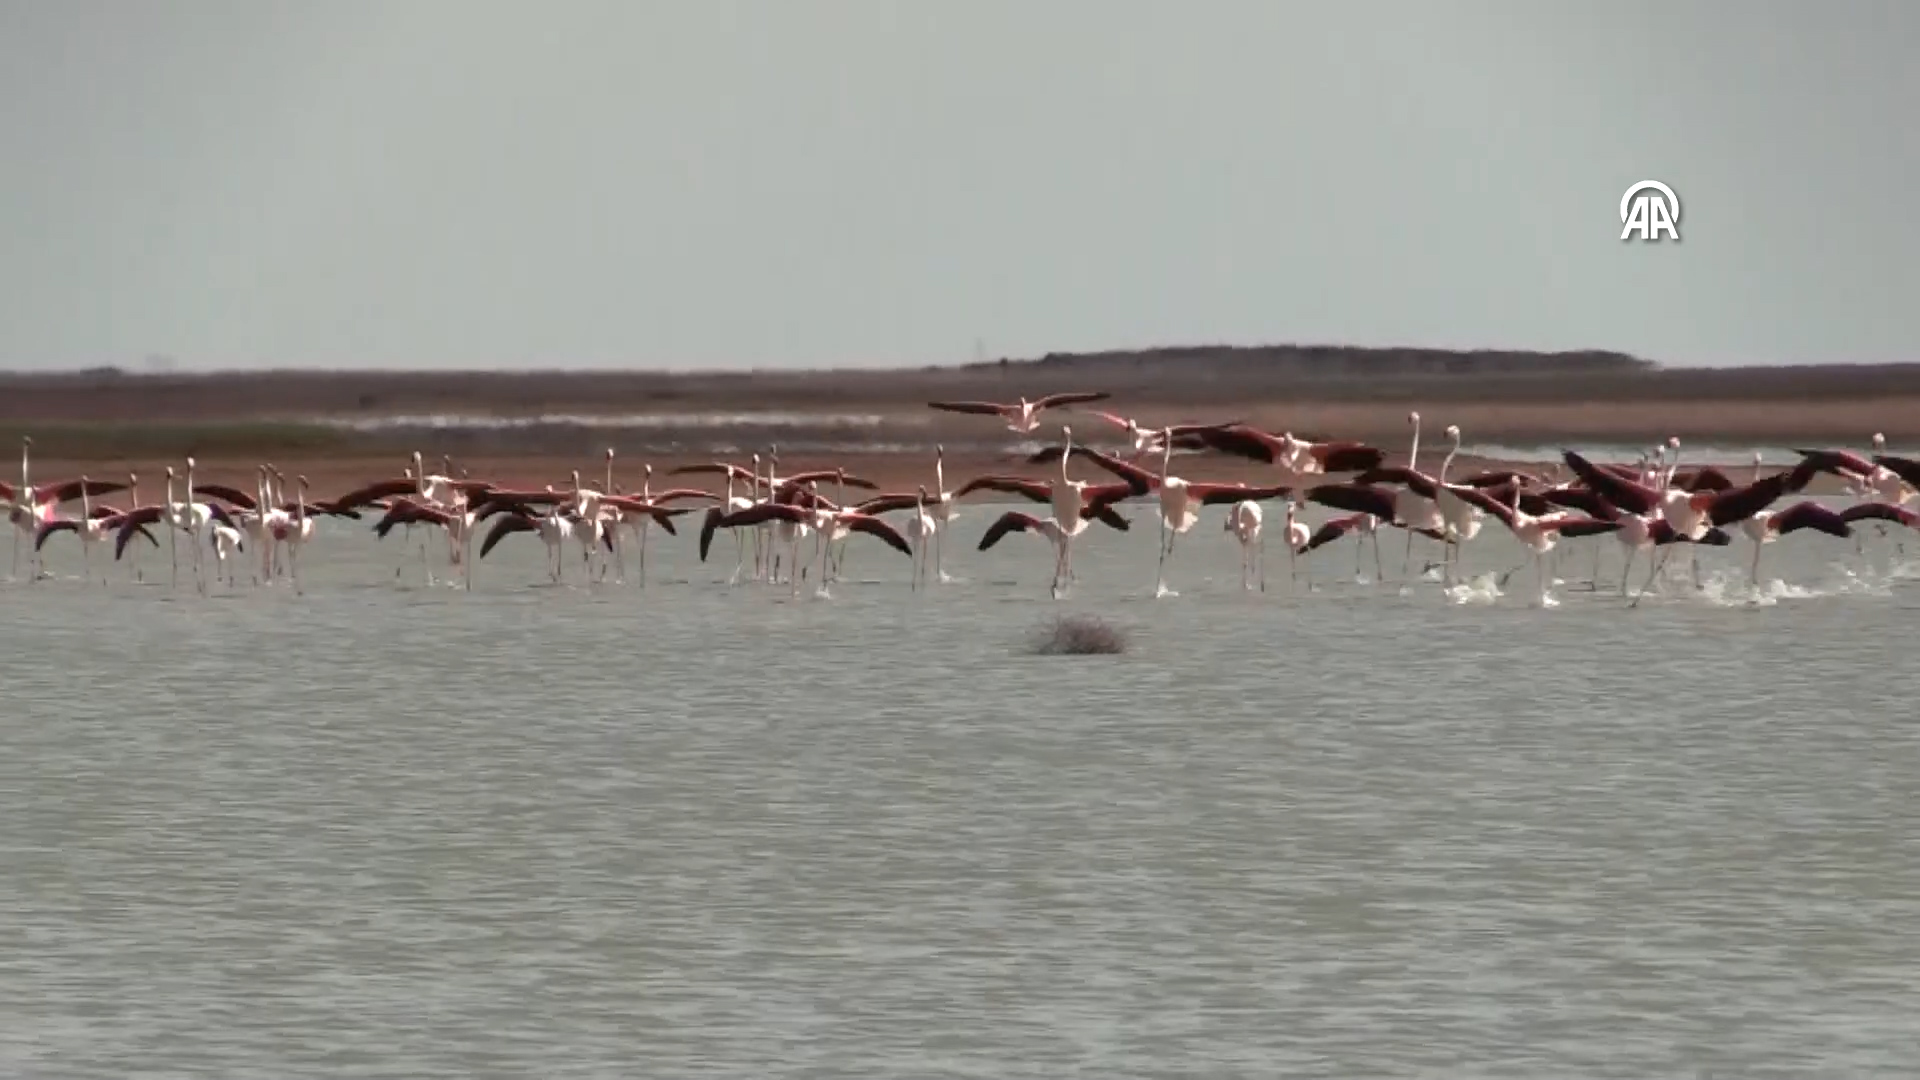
{"x":867,"y":182}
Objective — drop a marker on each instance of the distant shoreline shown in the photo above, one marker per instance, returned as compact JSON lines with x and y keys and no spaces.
{"x":1510,"y":400}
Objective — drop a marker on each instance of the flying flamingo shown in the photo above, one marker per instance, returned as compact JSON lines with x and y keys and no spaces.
{"x":1016,"y":521}
{"x":1363,"y":526}
{"x":821,"y":522}
{"x":1147,"y":440}
{"x":1536,"y":533}
{"x":93,"y":527}
{"x":29,"y":507}
{"x":731,"y":504}
{"x":1689,"y":514}
{"x":1297,"y":457}
{"x":922,"y":530}
{"x":1876,"y":478}
{"x":1022,"y":416}
{"x":1180,"y":500}
{"x":553,"y":528}
{"x":1764,"y":528}
{"x":943,"y":507}
{"x":178,"y":517}
{"x":1070,"y":498}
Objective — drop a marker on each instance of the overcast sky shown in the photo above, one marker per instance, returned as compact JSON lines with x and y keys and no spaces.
{"x":718,"y":183}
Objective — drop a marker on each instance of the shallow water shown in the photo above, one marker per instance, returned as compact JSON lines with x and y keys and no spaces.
{"x":1339,"y":830}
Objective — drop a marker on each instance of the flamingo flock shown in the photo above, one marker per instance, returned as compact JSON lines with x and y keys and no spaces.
{"x":789,"y":529}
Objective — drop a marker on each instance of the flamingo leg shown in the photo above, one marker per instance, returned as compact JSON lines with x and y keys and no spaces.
{"x":1406,"y":561}
{"x":1379,"y":574}
{"x":1293,"y":567}
{"x":1659,"y":564}
{"x":1754,"y":574}
{"x":173,"y":552}
{"x":1626,"y":569}
{"x":645,"y":528}
{"x":1260,"y":557}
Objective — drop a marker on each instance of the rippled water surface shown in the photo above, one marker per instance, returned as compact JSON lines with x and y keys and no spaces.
{"x":1349,"y":830}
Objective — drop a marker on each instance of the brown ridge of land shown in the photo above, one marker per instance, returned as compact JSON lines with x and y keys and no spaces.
{"x":103,"y":421}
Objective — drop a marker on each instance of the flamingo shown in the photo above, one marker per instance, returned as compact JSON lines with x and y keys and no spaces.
{"x":1071,"y":498}
{"x":1764,"y":528}
{"x":553,"y":528}
{"x":1147,"y":440}
{"x":1243,"y":521}
{"x":1018,"y":521}
{"x":1362,"y":526}
{"x":819,"y":520}
{"x":227,"y":542}
{"x":732,"y":504}
{"x":1689,"y":514}
{"x":921,"y":530}
{"x":94,"y":527}
{"x":29,"y":507}
{"x":1883,"y":477}
{"x":1021,"y":416}
{"x":1297,"y":457}
{"x":1536,"y":533}
{"x":942,"y":508}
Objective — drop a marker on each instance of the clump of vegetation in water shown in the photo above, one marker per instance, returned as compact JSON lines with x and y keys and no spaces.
{"x":1078,"y":635}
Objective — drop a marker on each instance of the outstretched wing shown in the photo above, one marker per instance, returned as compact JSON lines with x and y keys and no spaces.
{"x":1629,"y":495}
{"x":1336,"y":457}
{"x":1354,"y":498}
{"x":1011,"y":521}
{"x":226,"y":494}
{"x":1012,"y":485}
{"x":981,"y":408}
{"x":1218,"y":494}
{"x":511,"y":523}
{"x":1811,"y":515}
{"x":1880,"y":511}
{"x":1331,"y":531}
{"x":1238,"y":440}
{"x":1073,"y":397}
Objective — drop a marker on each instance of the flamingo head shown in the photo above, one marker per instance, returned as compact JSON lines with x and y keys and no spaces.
{"x":169,"y":472}
{"x":1413,"y":417}
{"x":26,"y":441}
{"x":646,"y":470}
{"x":939,"y":451}
{"x":1673,"y":442}
{"x":609,"y":453}
{"x":1453,"y":431}
{"x":189,"y":463}
{"x":1879,"y":441}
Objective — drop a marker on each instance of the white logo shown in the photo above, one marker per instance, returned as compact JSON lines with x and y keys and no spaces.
{"x":1640,"y":210}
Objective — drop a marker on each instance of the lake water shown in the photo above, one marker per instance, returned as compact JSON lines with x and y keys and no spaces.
{"x":1350,"y":830}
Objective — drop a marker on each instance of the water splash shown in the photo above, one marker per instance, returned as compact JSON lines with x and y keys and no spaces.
{"x":1475,"y":590}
